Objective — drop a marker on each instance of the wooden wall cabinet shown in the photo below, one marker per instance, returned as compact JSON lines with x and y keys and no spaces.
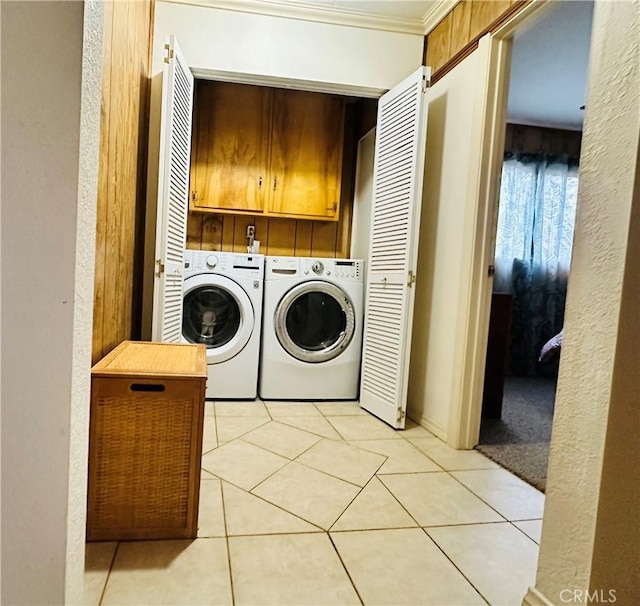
{"x":267,"y":152}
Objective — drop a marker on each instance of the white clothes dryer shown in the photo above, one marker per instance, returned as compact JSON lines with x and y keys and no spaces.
{"x":222,"y":308}
{"x":312,"y":329}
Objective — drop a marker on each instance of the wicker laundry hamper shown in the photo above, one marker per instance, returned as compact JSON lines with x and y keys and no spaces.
{"x":145,"y":442}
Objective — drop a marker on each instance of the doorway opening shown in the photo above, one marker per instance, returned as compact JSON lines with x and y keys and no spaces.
{"x":536,"y":216}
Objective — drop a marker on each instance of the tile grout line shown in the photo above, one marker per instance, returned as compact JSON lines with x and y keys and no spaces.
{"x":113,"y":561}
{"x":307,"y":430}
{"x":398,"y":501}
{"x":350,"y":503}
{"x":523,"y":532}
{"x":344,"y":566}
{"x":320,"y":529}
{"x":226,"y":538}
{"x":504,"y":517}
{"x":455,"y":566}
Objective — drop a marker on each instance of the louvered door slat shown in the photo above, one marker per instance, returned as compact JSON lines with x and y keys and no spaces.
{"x":173,"y":194}
{"x":397,"y":198}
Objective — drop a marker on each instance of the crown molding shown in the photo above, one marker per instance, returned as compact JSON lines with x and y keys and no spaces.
{"x":330,"y":15}
{"x":437,"y":13}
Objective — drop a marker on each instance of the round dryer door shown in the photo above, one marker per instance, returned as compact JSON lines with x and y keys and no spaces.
{"x":315,"y":321}
{"x":218,"y":313}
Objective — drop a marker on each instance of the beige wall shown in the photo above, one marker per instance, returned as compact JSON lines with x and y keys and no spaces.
{"x":591,"y":530}
{"x":448,"y":209}
{"x":51,"y":73}
{"x":265,"y":46}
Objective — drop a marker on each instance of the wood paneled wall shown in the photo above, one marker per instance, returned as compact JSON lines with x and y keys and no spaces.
{"x":458,"y":33}
{"x":121,"y":185}
{"x":535,"y":139}
{"x":286,"y":237}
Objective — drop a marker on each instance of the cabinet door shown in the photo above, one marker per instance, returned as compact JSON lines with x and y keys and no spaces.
{"x":231,"y":135}
{"x":306,"y":154}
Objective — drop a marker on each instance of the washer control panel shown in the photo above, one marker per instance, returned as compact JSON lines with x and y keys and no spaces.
{"x":345,"y":269}
{"x":224,"y":263}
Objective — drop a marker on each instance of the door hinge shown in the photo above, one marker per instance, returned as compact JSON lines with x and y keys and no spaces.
{"x":194,"y":195}
{"x":159,"y":267}
{"x":334,"y":207}
{"x":411,"y":279}
{"x":401,"y":415}
{"x":426,"y":83}
{"x":491,"y":270}
{"x":169,"y":53}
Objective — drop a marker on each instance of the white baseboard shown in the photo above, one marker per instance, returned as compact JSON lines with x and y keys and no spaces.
{"x":434,"y":428}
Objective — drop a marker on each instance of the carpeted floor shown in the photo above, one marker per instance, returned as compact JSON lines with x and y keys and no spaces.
{"x":520,"y":440}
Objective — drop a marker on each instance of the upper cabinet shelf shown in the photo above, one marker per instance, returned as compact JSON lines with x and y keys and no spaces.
{"x":268,"y":152}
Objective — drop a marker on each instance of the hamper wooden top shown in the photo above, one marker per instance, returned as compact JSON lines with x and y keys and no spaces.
{"x":153,"y":359}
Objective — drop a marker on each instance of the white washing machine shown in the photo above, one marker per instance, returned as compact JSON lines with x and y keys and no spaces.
{"x":312,"y":329}
{"x":222,"y":308}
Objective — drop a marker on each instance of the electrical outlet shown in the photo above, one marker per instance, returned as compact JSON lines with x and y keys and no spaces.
{"x":251,"y":231}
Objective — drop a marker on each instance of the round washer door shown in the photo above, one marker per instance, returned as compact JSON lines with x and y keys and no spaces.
{"x":315,"y":321}
{"x":218,"y":313}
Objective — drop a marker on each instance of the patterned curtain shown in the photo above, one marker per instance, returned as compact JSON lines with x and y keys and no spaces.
{"x":533,"y":250}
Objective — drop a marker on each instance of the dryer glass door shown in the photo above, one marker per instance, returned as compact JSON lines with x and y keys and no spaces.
{"x":217,"y":313}
{"x":315,"y":321}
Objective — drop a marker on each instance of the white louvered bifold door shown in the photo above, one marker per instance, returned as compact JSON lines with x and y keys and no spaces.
{"x":397,"y":199}
{"x":173,"y":194}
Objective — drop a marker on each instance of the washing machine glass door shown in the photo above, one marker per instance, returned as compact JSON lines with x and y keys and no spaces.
{"x":218,"y":313}
{"x":315,"y":321}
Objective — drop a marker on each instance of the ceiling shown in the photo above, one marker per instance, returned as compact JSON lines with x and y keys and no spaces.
{"x":404,"y":16}
{"x":412,"y":10}
{"x":549,"y":68}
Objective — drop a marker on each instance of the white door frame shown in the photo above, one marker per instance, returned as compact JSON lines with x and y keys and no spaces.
{"x":473,"y":318}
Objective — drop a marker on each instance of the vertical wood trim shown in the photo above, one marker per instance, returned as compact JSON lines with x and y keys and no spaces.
{"x":194,"y":230}
{"x":438,"y":47}
{"x":347,"y":191}
{"x":303,"y":239}
{"x":484,"y":14}
{"x":145,"y":26}
{"x":125,"y":106}
{"x":128,"y":187}
{"x":282,"y":237}
{"x":211,"y":233}
{"x":240,"y":233}
{"x":262,"y":232}
{"x":460,"y":26}
{"x":324,"y":239}
{"x":228,"y":230}
{"x":103,"y":188}
{"x":111,"y":320}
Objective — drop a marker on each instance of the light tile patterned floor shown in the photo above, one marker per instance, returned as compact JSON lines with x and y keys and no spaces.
{"x":305,"y":503}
